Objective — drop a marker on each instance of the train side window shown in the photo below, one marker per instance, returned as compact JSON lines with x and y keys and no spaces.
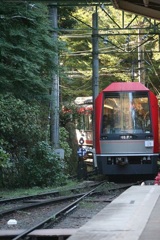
{"x":88,"y":121}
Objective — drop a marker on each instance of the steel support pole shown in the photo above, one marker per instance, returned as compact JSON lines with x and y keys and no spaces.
{"x":95,"y":67}
{"x":54,"y":136}
{"x":141,"y":66}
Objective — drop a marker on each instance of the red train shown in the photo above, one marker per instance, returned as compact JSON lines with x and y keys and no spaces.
{"x":126,"y":123}
{"x":84,"y":122}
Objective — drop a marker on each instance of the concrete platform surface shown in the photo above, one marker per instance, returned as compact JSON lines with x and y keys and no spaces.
{"x":134,"y":215}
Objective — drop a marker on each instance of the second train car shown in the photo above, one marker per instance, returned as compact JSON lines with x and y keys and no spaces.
{"x":126,"y":123}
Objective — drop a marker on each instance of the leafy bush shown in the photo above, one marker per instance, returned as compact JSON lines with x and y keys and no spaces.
{"x":68,"y":143}
{"x":30,"y":160}
{"x":41,"y":168}
{"x":44,"y":167}
{"x":63,"y":143}
{"x":20,"y":124}
{"x":4,"y":156}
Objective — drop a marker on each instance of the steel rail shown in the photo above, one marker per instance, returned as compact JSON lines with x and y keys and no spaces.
{"x":45,"y":202}
{"x":58,"y":214}
{"x":35,"y":196}
{"x":28,"y":197}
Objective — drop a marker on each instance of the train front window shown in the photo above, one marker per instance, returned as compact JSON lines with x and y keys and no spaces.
{"x":126,"y":112}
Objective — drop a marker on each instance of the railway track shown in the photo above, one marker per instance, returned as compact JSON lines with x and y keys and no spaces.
{"x":64,"y":210}
{"x":89,"y":184}
{"x":25,"y":202}
{"x":38,"y":203}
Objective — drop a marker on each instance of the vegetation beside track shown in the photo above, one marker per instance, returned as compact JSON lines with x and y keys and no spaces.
{"x":69,"y":185}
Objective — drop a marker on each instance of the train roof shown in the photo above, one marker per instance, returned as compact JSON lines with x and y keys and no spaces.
{"x":125,"y":86}
{"x":83,"y":100}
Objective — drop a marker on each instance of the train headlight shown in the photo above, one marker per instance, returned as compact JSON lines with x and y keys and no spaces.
{"x":126,"y":137}
{"x":81,"y":141}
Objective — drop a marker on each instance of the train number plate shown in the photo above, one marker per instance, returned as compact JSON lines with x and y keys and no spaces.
{"x":149,"y":143}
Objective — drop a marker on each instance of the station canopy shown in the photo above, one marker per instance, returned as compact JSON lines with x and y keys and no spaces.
{"x":148,"y":8}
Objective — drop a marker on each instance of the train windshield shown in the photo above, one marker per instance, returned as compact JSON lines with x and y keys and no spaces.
{"x":126,"y":112}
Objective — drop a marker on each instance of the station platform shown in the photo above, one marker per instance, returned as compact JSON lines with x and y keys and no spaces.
{"x":134,"y":215}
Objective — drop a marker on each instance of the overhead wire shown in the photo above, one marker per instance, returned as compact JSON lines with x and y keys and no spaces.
{"x":155,"y":89}
{"x":88,"y":52}
{"x":152,"y":66}
{"x":156,"y":74}
{"x":98,"y":34}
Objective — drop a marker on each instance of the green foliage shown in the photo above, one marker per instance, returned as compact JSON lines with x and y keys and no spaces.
{"x":21,"y":131}
{"x":118,"y":47}
{"x":27,"y":50}
{"x":64,"y":144}
{"x":44,"y":168}
{"x":68,"y":142}
{"x":77,"y":77}
{"x":41,"y":168}
{"x":4,"y":156}
{"x":66,"y":20}
{"x":69,"y":113}
{"x":27,"y":65}
{"x":20,"y":124}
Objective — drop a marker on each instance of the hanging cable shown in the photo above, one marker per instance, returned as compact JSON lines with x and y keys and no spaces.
{"x":152,"y":66}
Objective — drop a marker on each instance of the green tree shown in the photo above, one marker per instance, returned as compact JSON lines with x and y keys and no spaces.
{"x":27,"y":50}
{"x":23,"y":151}
{"x":27,"y":65}
{"x":20,"y":124}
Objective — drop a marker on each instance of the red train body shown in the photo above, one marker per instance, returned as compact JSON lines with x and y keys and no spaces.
{"x":126,"y":123}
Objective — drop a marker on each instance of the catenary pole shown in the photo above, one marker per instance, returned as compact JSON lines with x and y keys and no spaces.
{"x":54,"y":116}
{"x":141,"y":67}
{"x":95,"y":75}
{"x":95,"y":66}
